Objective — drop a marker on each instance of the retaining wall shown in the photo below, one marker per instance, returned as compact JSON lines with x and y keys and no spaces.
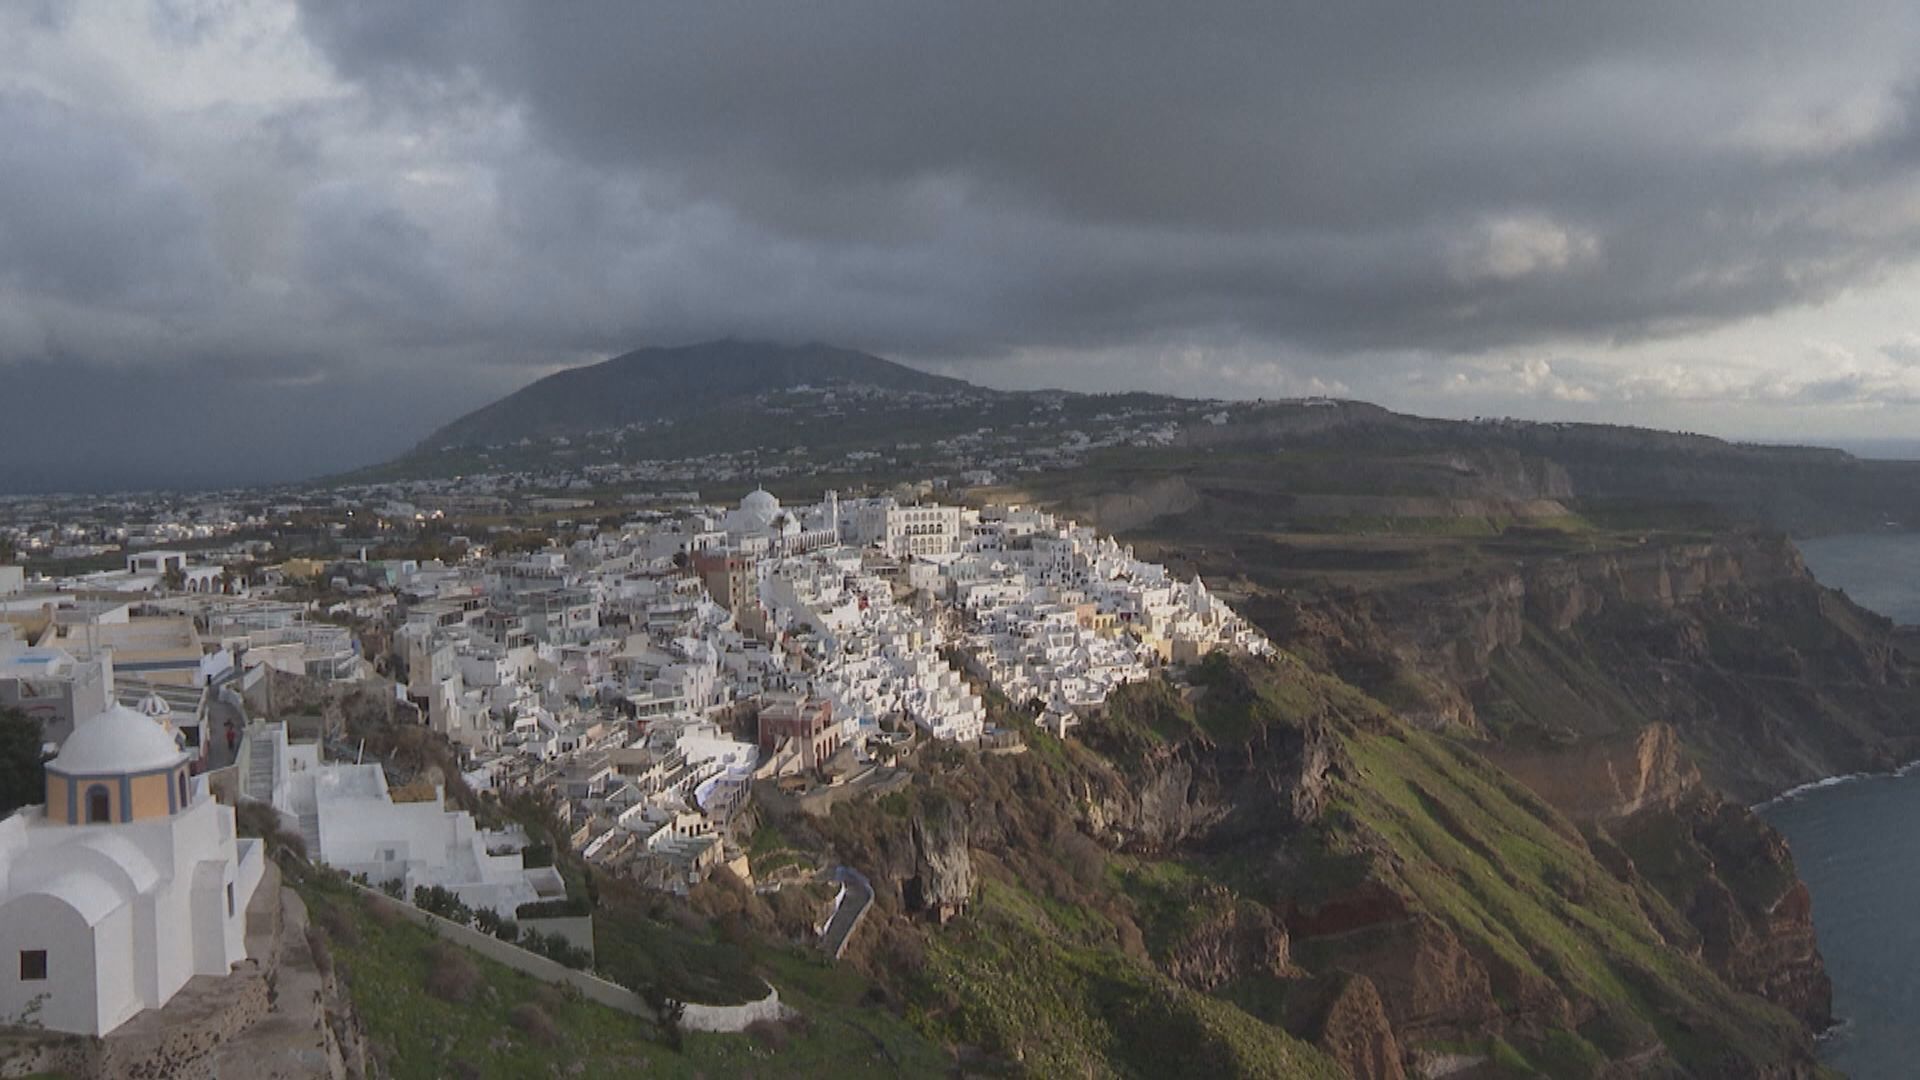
{"x":593,"y":987}
{"x":731,"y":1018}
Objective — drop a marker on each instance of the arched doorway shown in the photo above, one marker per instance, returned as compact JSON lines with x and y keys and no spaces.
{"x":99,"y":805}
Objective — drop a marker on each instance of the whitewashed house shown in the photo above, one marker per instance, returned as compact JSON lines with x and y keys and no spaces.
{"x":127,"y":883}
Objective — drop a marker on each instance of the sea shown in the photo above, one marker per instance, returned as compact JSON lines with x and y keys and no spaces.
{"x":1856,"y":841}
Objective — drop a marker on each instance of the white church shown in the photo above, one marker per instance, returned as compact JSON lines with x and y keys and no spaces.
{"x":126,"y":884}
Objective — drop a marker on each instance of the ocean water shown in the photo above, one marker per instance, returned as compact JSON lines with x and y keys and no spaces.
{"x":1857,"y":844}
{"x":1857,"y":849}
{"x":1880,"y":571}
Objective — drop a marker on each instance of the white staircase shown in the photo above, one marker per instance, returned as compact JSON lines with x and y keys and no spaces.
{"x":259,"y":767}
{"x":310,"y":833}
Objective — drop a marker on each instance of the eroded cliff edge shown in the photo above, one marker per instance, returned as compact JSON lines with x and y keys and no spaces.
{"x":1769,"y":679}
{"x":1458,"y":826}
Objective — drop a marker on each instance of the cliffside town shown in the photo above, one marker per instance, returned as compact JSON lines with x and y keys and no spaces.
{"x":1339,"y":741}
{"x":642,"y":680}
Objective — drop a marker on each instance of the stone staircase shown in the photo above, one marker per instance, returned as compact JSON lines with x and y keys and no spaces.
{"x":310,"y":833}
{"x":258,"y":769}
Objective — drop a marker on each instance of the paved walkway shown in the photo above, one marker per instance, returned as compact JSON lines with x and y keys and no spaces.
{"x":850,"y":912}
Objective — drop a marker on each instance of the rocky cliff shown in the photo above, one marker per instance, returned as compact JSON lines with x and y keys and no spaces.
{"x":1768,"y":679}
{"x":1805,"y":490}
{"x":1276,"y":839}
{"x":1458,"y":825}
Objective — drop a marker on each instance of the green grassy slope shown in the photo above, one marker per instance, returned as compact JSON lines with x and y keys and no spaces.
{"x":1522,"y":891}
{"x":1012,"y":979}
{"x":386,"y":964}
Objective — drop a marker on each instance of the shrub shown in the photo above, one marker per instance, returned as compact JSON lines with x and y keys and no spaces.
{"x":1082,"y":856}
{"x":322,"y":956}
{"x":554,"y":909}
{"x":672,"y":1012}
{"x":534,"y":1021}
{"x":292,"y":843}
{"x":263,"y":821}
{"x":381,"y":911}
{"x":556,"y":948}
{"x":451,"y":974}
{"x":768,"y":1033}
{"x":488,"y":921}
{"x":669,"y":1010}
{"x":337,"y":923}
{"x":550,"y":997}
{"x":443,"y":902}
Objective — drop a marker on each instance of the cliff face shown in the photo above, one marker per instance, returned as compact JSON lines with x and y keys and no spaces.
{"x":1768,"y":679}
{"x":1471,"y":822}
{"x":1278,"y":840}
{"x":942,"y":882}
{"x":1346,"y":1019}
{"x":1607,"y":777}
{"x":1802,"y":489}
{"x":1728,"y":875}
{"x":1628,"y":689}
{"x":1732,"y":878}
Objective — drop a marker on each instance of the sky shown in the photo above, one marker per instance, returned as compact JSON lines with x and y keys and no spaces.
{"x":249,"y":240}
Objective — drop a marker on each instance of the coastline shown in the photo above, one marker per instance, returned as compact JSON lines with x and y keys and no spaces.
{"x":1811,"y":786}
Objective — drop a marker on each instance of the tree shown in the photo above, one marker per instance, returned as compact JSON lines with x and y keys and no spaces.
{"x":22,"y":765}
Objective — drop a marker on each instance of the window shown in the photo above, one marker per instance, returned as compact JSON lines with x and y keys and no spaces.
{"x":33,"y":965}
{"x":183,"y":787}
{"x":99,"y":806}
{"x":229,"y":899}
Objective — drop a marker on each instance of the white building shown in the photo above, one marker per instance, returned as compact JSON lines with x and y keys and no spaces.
{"x":125,"y":885}
{"x":54,"y":687}
{"x":901,"y":531}
{"x":762,"y":526}
{"x":350,"y":821}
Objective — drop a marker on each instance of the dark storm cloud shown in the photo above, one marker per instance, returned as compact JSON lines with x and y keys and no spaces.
{"x":355,"y":200}
{"x":85,"y":221}
{"x":1344,"y":176}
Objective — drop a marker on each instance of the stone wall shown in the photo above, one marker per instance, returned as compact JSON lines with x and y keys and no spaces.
{"x":592,"y":987}
{"x":731,"y":1018}
{"x":326,"y":705}
{"x":34,"y":1053}
{"x":719,"y":1018}
{"x":224,"y":783}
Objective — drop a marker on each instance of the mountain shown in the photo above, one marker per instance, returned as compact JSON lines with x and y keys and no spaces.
{"x":1485,"y":813}
{"x":828,"y":413}
{"x":677,"y":383}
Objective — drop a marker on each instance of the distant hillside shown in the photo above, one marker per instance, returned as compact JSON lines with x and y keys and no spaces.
{"x":675,"y":384}
{"x":745,"y":412}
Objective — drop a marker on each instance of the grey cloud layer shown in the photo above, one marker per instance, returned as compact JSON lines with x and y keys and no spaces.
{"x":445,"y":198}
{"x":1341,"y":176}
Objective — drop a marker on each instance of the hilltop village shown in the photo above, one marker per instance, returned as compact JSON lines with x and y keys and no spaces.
{"x":651,"y":678}
{"x":654,"y":672}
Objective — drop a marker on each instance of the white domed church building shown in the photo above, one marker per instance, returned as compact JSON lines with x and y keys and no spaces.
{"x":761,"y":526}
{"x":126,"y":884}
